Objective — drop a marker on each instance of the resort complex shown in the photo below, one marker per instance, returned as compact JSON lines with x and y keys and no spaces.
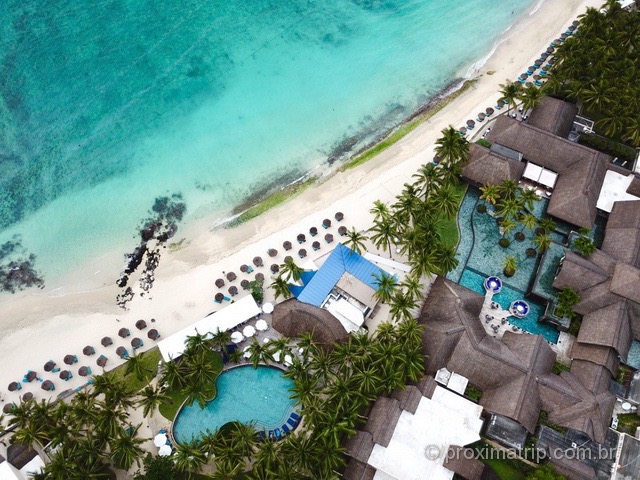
{"x":480,"y":322}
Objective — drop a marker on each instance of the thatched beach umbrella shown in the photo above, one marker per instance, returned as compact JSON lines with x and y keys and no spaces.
{"x":8,"y":407}
{"x":231,"y":276}
{"x":137,"y":342}
{"x":288,"y":259}
{"x":287,"y":245}
{"x":272,"y":252}
{"x":544,"y":55}
{"x":275,"y":268}
{"x":563,"y":36}
{"x":13,"y":386}
{"x":528,"y":84}
{"x":88,"y":350}
{"x":470,"y":123}
{"x":66,"y":375}
{"x":31,"y":376}
{"x":260,"y":277}
{"x":122,"y":352}
{"x":572,"y":28}
{"x":462,"y":130}
{"x":481,"y":116}
{"x":328,"y":238}
{"x":537,"y":77}
{"x":326,"y":223}
{"x":257,"y":261}
{"x":219,"y":297}
{"x":27,"y":396}
{"x":524,"y":76}
{"x":50,"y":365}
{"x":106,"y":341}
{"x":141,"y":324}
{"x":153,"y":334}
{"x":316,"y":245}
{"x":301,"y":238}
{"x":575,"y":23}
{"x":244,"y":284}
{"x":48,"y":385}
{"x":313,"y":231}
{"x":70,"y":359}
{"x":219,"y":283}
{"x":124,"y":332}
{"x":500,"y":103}
{"x":538,"y":63}
{"x":244,"y":268}
{"x":338,"y":216}
{"x":233,"y":290}
{"x":302,"y":253}
{"x":84,"y":371}
{"x":489,"y":111}
{"x":101,"y":361}
{"x":531,"y":69}
{"x":342,"y":230}
{"x":550,"y":50}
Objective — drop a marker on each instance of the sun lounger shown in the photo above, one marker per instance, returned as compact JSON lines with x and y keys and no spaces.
{"x":295,"y":416}
{"x":285,"y":429}
{"x":292,"y":422}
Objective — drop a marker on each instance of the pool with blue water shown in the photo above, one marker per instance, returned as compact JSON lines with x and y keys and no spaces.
{"x":475,"y":281}
{"x":258,"y":396}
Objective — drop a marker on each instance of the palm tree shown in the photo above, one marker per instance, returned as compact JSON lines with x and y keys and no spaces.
{"x":530,"y":97}
{"x":490,"y":193}
{"x":446,"y":201}
{"x":412,"y":287}
{"x":259,"y":353}
{"x":507,"y":225}
{"x":528,"y":197}
{"x":172,"y":375}
{"x":429,"y":177}
{"x":189,"y":457}
{"x":508,"y":189}
{"x":510,"y":266}
{"x":200,"y":369}
{"x":281,"y":288}
{"x":547,"y":224}
{"x":446,"y":259}
{"x":383,"y":234}
{"x":109,"y":419}
{"x":409,"y":333}
{"x":116,"y":393}
{"x":451,"y":147}
{"x":385,"y":286}
{"x":402,"y":306}
{"x":509,"y":208}
{"x":151,"y":398}
{"x":355,"y":240}
{"x":529,"y":221}
{"x":220,"y":340}
{"x":542,"y":242}
{"x":126,"y":449}
{"x":510,"y":92}
{"x":135,"y":365}
{"x":303,"y":450}
{"x":196,"y":344}
{"x":585,"y":246}
{"x":380,"y":211}
{"x":290,"y":270}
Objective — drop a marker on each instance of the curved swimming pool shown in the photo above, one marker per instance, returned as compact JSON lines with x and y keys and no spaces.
{"x":244,"y":394}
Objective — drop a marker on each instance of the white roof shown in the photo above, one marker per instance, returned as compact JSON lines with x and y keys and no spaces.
{"x":8,"y":472}
{"x":614,"y":189}
{"x":458,"y":383}
{"x":229,"y":317}
{"x":349,"y":316}
{"x":540,"y":175}
{"x":532,"y":171}
{"x":444,"y":420}
{"x":378,"y":260}
{"x":548,"y":178}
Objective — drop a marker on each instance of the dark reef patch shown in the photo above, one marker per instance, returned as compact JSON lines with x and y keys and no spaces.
{"x":153,"y":233}
{"x":17,"y":267}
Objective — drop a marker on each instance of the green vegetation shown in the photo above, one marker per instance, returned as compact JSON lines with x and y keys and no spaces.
{"x":483,"y":142}
{"x":559,"y":367}
{"x":271,"y":201}
{"x":473,"y":393}
{"x":544,"y":420}
{"x":598,"y":66}
{"x":574,"y":327}
{"x":567,"y":298}
{"x":624,"y":373}
{"x":545,"y":472}
{"x":404,"y":129}
{"x":148,"y":365}
{"x":628,"y":423}
{"x":608,"y":146}
{"x":504,"y":465}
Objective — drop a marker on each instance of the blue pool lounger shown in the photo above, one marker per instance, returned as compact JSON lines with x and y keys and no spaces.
{"x":295,"y":416}
{"x":292,"y":422}
{"x":285,"y":429}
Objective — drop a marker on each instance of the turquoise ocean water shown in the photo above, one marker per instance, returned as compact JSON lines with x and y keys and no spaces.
{"x":107,"y":104}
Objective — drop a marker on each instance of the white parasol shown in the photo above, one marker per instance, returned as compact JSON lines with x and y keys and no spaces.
{"x":165,"y":450}
{"x":237,"y":337}
{"x":160,"y":440}
{"x":267,"y":307}
{"x":262,"y":326}
{"x":288,"y":360}
{"x":246,"y":351}
{"x":277,"y":355}
{"x":248,"y":331}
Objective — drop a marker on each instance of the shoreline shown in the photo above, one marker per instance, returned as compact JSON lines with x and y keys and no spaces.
{"x":43,"y":325}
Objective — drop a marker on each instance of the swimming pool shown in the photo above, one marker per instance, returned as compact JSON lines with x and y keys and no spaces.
{"x":244,"y":394}
{"x":475,"y":281}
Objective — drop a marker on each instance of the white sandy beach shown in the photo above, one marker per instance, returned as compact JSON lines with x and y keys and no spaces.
{"x":39,"y":325}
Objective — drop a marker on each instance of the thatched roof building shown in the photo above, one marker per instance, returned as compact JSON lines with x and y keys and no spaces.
{"x":514,"y":374}
{"x":634,"y":186}
{"x":359,"y":446}
{"x":580,"y":170}
{"x":383,"y":419}
{"x":622,"y":238}
{"x":461,"y":460}
{"x":486,"y":167}
{"x":554,"y":116}
{"x":293,"y":318}
{"x":609,"y":327}
{"x":408,"y":398}
{"x":357,"y":470}
{"x":19,"y":454}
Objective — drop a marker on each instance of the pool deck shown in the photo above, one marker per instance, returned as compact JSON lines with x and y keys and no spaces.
{"x":495,"y":321}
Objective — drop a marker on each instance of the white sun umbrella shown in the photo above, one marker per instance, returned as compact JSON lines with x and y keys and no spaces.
{"x":277,"y":355}
{"x":160,"y":440}
{"x":246,"y":351}
{"x":165,"y":450}
{"x":288,"y":360}
{"x":262,"y":326}
{"x":266,"y":340}
{"x":248,"y":331}
{"x":237,"y":337}
{"x":267,"y":307}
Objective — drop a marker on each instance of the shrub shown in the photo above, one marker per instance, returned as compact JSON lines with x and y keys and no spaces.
{"x":482,"y":208}
{"x":483,"y":142}
{"x":504,"y":242}
{"x":520,"y":236}
{"x":610,"y":147}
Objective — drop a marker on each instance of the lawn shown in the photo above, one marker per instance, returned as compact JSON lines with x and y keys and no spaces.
{"x":505,"y":467}
{"x":448,"y":227}
{"x":150,"y":360}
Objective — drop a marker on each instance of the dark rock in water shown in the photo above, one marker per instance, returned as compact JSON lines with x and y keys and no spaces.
{"x":339,"y":151}
{"x":17,"y":268}
{"x":134,"y":259}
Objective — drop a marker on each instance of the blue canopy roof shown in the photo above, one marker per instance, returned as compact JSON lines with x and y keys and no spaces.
{"x":342,"y":260}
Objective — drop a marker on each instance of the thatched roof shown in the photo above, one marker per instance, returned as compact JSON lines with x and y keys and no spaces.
{"x":19,"y":454}
{"x":595,"y":377}
{"x":293,"y":318}
{"x":626,"y":282}
{"x":624,"y":215}
{"x":486,"y":167}
{"x":609,"y":327}
{"x":427,"y":385}
{"x":596,"y":354}
{"x":383,"y":420}
{"x":622,"y":236}
{"x":359,"y":446}
{"x":357,"y":470}
{"x":409,"y":398}
{"x":578,"y":273}
{"x":554,"y":116}
{"x":462,"y":461}
{"x":580,"y":170}
{"x":634,"y":186}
